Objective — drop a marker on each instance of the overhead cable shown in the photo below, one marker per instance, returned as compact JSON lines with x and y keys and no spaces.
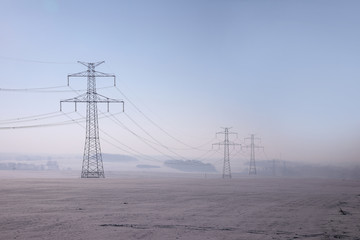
{"x":151,"y":121}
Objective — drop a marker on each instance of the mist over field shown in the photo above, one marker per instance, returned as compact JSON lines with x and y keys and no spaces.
{"x":124,"y":163}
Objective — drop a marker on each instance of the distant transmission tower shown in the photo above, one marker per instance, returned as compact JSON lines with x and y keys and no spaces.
{"x":92,"y":166}
{"x":226,"y":143}
{"x":252,"y":165}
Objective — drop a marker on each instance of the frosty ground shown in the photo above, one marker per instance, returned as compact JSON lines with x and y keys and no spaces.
{"x":167,"y":207}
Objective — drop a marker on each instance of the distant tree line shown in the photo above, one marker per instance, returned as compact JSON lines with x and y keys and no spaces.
{"x":50,"y":165}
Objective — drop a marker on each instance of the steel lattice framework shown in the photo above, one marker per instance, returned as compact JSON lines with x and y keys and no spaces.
{"x":92,"y":166}
{"x":252,"y":165}
{"x":226,"y":143}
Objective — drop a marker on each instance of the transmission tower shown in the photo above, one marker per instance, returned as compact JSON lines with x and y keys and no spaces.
{"x":252,"y":146}
{"x":92,"y":166}
{"x":226,"y":143}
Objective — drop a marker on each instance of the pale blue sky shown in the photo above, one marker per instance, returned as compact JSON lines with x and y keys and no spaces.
{"x":287,"y":71}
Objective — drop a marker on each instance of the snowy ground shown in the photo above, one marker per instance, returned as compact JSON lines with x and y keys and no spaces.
{"x":165,"y":207}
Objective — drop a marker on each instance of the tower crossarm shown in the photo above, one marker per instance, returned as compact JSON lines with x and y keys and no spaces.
{"x":227,"y":143}
{"x":86,"y":64}
{"x":255,"y":138}
{"x":255,"y":146}
{"x":99,"y":99}
{"x":227,"y":133}
{"x":90,"y":72}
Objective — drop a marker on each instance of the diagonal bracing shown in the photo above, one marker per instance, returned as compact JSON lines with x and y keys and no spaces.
{"x":226,"y":143}
{"x":92,"y":166}
{"x":252,"y":146}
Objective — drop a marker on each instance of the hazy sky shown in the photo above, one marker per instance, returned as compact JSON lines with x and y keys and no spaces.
{"x":287,"y":71}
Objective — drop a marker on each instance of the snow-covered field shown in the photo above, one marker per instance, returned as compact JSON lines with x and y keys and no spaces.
{"x":167,"y":207}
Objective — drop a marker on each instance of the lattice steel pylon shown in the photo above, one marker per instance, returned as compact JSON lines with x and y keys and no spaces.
{"x":252,"y":164}
{"x":226,"y":143}
{"x":92,"y":166}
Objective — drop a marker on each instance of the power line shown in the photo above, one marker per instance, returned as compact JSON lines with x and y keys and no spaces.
{"x":121,"y":124}
{"x":83,"y":99}
{"x":161,"y":144}
{"x":157,"y":125}
{"x":73,"y":121}
{"x":151,"y":136}
{"x":32,"y":60}
{"x":198,"y":147}
{"x":116,"y":140}
{"x":149,"y":142}
{"x":46,"y":89}
{"x":147,"y":133}
{"x":151,"y":121}
{"x":146,"y":141}
{"x":28,"y":117}
{"x":202,"y":157}
{"x":29,"y":89}
{"x":41,"y":125}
